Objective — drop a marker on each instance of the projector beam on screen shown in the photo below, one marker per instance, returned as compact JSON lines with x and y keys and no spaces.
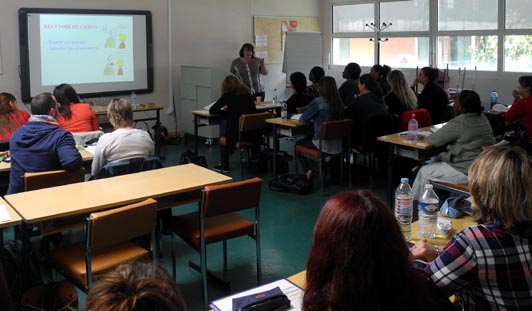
{"x":99,"y":52}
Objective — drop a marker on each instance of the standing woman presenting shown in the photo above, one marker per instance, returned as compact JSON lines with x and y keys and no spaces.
{"x":247,"y":68}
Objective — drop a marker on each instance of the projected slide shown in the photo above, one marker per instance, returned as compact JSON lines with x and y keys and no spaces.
{"x":92,"y":49}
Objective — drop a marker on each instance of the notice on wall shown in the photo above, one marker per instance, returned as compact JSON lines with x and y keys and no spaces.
{"x":270,"y":33}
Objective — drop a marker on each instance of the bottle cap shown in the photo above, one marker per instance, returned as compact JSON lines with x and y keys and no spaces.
{"x":413,"y":116}
{"x":404,"y":179}
{"x":428,"y":186}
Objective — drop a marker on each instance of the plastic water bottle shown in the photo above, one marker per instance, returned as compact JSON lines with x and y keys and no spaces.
{"x":133,"y":100}
{"x":404,"y":205}
{"x":412,"y":129}
{"x":494,"y":98}
{"x":428,"y":206}
{"x":284,"y":111}
{"x":274,"y":99}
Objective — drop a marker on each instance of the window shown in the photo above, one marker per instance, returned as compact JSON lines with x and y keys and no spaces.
{"x":518,"y":53}
{"x":469,"y":15}
{"x":465,"y":33}
{"x":405,"y":15}
{"x":405,"y":52}
{"x":468,"y":51}
{"x":518,"y":14}
{"x":359,"y":50}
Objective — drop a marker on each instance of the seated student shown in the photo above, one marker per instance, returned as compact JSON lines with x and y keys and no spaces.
{"x":40,"y":145}
{"x":135,"y":286}
{"x":125,"y":142}
{"x":366,"y":106}
{"x":359,"y":260}
{"x":234,"y":102}
{"x":488,"y":265}
{"x":521,"y":110}
{"x":315,"y":75}
{"x":328,"y":106}
{"x":349,"y":88}
{"x":401,"y":98}
{"x":380,"y":74}
{"x":10,"y":117}
{"x":432,"y":97}
{"x":464,"y":136}
{"x":300,"y":99}
{"x":74,"y":116}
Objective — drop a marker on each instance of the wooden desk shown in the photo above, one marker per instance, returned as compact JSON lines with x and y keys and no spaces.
{"x":458,"y":224}
{"x":86,"y":197}
{"x":86,"y":157}
{"x":202,"y":117}
{"x":399,"y":145}
{"x":284,"y":128}
{"x":15,"y":219}
{"x":300,"y":279}
{"x":102,"y":111}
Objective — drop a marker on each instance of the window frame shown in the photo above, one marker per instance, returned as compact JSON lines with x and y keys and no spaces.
{"x":433,"y":33}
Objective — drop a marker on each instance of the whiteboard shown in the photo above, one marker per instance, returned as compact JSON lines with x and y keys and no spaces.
{"x":303,"y":50}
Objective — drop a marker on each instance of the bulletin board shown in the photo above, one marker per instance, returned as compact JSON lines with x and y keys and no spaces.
{"x":270,"y":34}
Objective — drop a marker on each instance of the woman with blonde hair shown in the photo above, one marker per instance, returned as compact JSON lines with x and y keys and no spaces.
{"x":489,"y":265}
{"x":235,"y":101}
{"x":10,"y":117}
{"x":401,"y":97}
{"x":125,"y":142}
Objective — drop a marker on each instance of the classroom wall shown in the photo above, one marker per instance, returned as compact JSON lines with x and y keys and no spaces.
{"x":204,"y":33}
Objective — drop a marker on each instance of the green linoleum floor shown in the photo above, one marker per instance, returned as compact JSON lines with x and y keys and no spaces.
{"x":287,"y":222}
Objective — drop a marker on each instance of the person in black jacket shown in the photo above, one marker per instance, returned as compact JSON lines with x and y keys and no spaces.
{"x":365,"y":107}
{"x":433,"y":97}
{"x":349,"y":88}
{"x":235,"y":101}
{"x":300,"y":98}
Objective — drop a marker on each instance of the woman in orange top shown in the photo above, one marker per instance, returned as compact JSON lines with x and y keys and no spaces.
{"x":74,"y":116}
{"x":10,"y":117}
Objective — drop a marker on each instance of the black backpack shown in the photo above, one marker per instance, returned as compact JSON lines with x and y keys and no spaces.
{"x":190,"y":157}
{"x":295,"y":183}
{"x":19,"y":274}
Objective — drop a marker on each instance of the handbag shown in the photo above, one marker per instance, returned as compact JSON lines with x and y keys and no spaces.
{"x":273,"y":299}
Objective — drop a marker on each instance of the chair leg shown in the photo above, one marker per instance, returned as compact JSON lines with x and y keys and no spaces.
{"x":259,"y":267}
{"x":225,"y":254}
{"x":320,"y":164}
{"x":172,"y":249}
{"x":203,"y":264}
{"x":241,"y":163}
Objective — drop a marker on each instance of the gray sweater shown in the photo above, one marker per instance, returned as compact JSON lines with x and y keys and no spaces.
{"x":464,"y":136}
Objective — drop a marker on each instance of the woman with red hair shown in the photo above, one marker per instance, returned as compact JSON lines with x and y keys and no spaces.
{"x":359,"y":260}
{"x":10,"y":117}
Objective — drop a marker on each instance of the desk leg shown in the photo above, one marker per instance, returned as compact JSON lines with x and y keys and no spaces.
{"x":275,"y":150}
{"x":389,"y":187}
{"x":157,"y":136}
{"x":196,"y":134}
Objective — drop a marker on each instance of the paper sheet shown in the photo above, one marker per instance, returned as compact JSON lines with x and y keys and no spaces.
{"x":4,"y":216}
{"x":292,"y":291}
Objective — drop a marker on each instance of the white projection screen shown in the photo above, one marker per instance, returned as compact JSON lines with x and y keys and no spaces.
{"x":99,"y":52}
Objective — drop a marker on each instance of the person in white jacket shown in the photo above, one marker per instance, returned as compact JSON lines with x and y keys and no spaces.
{"x":125,"y":142}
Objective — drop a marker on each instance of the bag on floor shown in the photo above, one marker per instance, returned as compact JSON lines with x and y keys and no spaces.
{"x":55,"y":296}
{"x":266,"y":156}
{"x":19,"y":274}
{"x":295,"y":183}
{"x":190,"y":157}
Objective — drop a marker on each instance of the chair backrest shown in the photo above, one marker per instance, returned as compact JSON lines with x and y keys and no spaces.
{"x":152,"y":163}
{"x":121,"y":224}
{"x":82,"y":137}
{"x":336,"y":129}
{"x":130,"y":166}
{"x":40,"y":180}
{"x":254,"y":121}
{"x":232,"y":197}
{"x":422,"y":117}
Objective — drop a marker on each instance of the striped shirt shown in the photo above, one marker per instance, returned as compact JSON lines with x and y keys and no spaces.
{"x":488,"y":267}
{"x":249,"y":74}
